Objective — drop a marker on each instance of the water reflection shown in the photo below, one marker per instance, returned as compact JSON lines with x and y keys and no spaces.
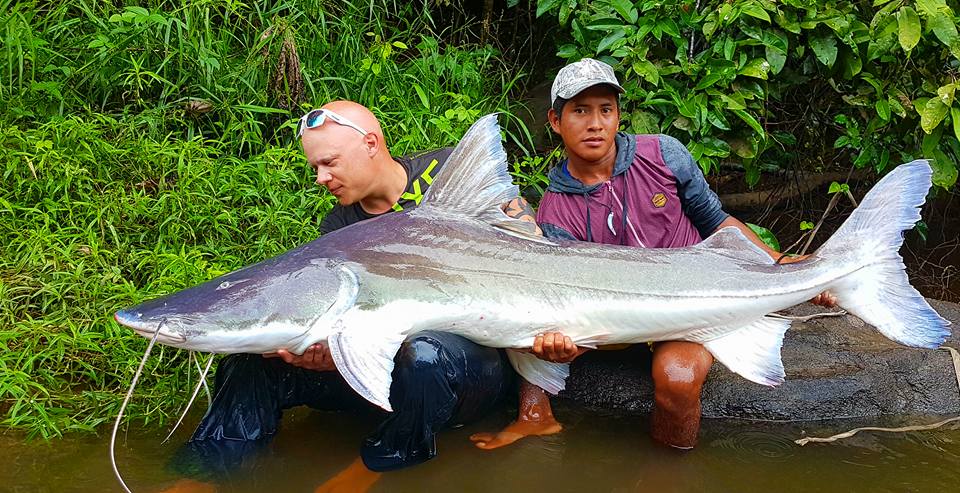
{"x":592,"y":454}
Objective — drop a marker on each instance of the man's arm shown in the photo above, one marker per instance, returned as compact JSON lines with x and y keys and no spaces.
{"x":519,"y":208}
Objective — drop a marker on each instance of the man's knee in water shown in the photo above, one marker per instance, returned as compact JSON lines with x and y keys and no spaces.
{"x":419,"y":353}
{"x":678,"y":375}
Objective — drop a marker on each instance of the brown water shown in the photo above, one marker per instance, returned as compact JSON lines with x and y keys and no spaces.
{"x":592,"y":454}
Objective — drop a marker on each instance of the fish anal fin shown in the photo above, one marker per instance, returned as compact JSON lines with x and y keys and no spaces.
{"x":549,"y":376}
{"x":753,"y":351}
{"x":365,"y":360}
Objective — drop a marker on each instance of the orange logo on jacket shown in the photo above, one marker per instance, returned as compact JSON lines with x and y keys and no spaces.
{"x":659,"y":200}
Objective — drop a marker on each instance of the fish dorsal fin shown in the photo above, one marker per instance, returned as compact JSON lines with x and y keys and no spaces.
{"x":474,"y":182}
{"x":730,"y":242}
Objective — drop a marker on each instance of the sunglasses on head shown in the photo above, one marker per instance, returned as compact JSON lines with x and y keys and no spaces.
{"x":315,"y":118}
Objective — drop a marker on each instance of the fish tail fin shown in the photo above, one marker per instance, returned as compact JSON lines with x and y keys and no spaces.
{"x":365,"y":360}
{"x":551,"y":377}
{"x":879,"y":292}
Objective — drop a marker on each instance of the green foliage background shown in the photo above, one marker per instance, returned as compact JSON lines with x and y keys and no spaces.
{"x":735,"y":75}
{"x":147,"y":147}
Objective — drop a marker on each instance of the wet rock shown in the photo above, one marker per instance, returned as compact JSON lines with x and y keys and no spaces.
{"x":836,"y":367}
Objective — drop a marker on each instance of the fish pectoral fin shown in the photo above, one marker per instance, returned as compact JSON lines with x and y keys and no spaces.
{"x":753,"y":351}
{"x":549,"y":376}
{"x":365,"y":359}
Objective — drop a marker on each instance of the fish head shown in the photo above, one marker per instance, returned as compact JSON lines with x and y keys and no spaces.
{"x":282,"y":303}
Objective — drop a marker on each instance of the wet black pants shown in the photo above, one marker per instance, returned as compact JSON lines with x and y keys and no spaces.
{"x":439,"y":380}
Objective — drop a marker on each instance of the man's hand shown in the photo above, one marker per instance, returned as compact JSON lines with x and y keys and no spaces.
{"x":826,"y":298}
{"x":316,"y":357}
{"x":555,"y":347}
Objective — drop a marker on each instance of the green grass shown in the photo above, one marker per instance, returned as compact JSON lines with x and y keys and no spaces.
{"x":145,"y":150}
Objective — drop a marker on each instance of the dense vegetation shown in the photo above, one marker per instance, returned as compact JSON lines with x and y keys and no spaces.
{"x":145,"y":149}
{"x":148,"y":146}
{"x":752,"y":79}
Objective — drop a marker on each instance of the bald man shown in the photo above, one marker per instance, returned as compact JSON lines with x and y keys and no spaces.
{"x":440,"y":379}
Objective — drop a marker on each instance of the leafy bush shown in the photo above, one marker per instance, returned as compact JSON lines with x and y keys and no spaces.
{"x":741,"y":78}
{"x":146,"y":148}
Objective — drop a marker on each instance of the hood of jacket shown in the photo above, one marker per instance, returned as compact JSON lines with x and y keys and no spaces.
{"x":561,"y":181}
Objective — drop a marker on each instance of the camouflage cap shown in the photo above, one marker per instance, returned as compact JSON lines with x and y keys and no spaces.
{"x":578,"y":76}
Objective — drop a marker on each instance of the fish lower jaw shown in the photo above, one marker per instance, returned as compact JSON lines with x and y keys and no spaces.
{"x":164,"y":337}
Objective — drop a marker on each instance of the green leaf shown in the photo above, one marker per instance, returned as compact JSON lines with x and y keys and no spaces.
{"x":716,"y":118}
{"x":605,"y":24}
{"x":909,"y":24}
{"x":577,"y":32}
{"x":708,"y":80}
{"x":645,"y":123}
{"x":566,"y":8}
{"x":883,"y":109}
{"x":864,"y":157}
{"x":755,"y":10}
{"x":567,"y":51}
{"x":610,"y":39}
{"x":546,"y":5}
{"x":776,"y":58}
{"x":932,"y":113}
{"x":955,"y":116}
{"x":932,"y":7}
{"x":944,"y":28}
{"x":766,"y":236}
{"x":422,"y":95}
{"x":400,"y":44}
{"x":838,"y":188}
{"x":930,"y":141}
{"x":626,"y":10}
{"x":670,"y":27}
{"x":788,"y":20}
{"x":944,"y":170}
{"x":851,"y":64}
{"x":758,"y":67}
{"x":946,"y":94}
{"x":715,"y":147}
{"x":751,"y":121}
{"x":647,"y":70}
{"x":825,"y":48}
{"x":805,"y":225}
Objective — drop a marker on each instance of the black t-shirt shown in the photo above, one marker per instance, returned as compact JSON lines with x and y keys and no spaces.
{"x":420,"y":169}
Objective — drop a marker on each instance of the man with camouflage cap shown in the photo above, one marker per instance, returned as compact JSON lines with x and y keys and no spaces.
{"x":634,"y":190}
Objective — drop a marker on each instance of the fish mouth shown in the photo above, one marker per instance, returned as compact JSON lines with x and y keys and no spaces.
{"x":150,"y":329}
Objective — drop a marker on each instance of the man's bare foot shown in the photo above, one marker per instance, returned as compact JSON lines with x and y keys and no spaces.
{"x":515,"y":431}
{"x":356,"y":478}
{"x":535,"y":418}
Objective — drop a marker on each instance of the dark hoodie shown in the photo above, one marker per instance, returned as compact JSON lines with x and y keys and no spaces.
{"x":656,"y":198}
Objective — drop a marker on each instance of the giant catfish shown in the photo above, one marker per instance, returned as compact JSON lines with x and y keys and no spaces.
{"x":457,"y":263}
